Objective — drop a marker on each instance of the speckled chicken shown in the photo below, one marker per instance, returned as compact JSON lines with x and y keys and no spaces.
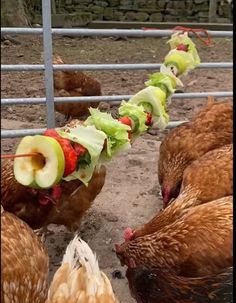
{"x":24,"y":262}
{"x":152,"y":286}
{"x":209,"y":129}
{"x":188,"y":240}
{"x":79,"y":279}
{"x":24,"y":269}
{"x":72,"y":84}
{"x":172,"y":213}
{"x":65,"y":205}
{"x":211,"y":174}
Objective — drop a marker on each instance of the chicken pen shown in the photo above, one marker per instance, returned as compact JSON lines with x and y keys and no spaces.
{"x":48,"y":67}
{"x":134,"y":158}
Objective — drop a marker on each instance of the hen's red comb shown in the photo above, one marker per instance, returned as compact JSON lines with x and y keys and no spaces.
{"x":128,"y":234}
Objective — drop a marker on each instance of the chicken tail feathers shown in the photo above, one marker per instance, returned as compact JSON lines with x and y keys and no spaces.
{"x":78,"y":253}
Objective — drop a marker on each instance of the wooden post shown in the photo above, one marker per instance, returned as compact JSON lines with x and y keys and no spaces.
{"x":212,"y":11}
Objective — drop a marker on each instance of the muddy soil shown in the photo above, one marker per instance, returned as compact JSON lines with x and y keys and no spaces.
{"x":131,"y":193}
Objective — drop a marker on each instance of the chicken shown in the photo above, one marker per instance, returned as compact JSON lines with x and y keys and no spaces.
{"x":152,"y":286}
{"x":65,"y":205}
{"x":206,"y":179}
{"x":24,"y":269}
{"x":211,"y":174}
{"x":24,"y":262}
{"x":79,"y":279}
{"x":210,"y":129}
{"x":196,"y":242}
{"x":172,"y":213}
{"x":72,"y":84}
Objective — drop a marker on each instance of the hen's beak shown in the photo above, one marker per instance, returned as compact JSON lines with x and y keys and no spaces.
{"x":166,"y":200}
{"x":119,"y":254}
{"x":166,"y":197}
{"x":117,"y":248}
{"x":132,"y":263}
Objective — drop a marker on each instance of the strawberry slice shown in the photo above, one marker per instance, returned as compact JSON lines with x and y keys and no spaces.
{"x":69,"y":152}
{"x":149,"y":119}
{"x":52,"y":133}
{"x":70,"y":156}
{"x":182,"y":47}
{"x":126,"y":120}
{"x":79,"y":149}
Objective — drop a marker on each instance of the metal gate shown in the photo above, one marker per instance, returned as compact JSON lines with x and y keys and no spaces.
{"x":48,"y":67}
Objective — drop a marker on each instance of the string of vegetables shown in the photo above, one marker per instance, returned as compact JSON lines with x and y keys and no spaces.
{"x":74,"y":151}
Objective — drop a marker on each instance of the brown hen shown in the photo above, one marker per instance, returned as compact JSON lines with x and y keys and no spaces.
{"x":210,"y":129}
{"x":211,"y":174}
{"x":24,"y":269}
{"x":72,"y":84}
{"x":172,"y":213}
{"x":24,"y":263}
{"x":152,"y":286}
{"x":196,"y":242}
{"x":67,"y":209}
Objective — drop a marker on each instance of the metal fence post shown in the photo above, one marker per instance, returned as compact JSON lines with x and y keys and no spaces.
{"x":47,"y":48}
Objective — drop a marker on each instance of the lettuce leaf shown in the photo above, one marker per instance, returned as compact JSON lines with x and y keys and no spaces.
{"x":157,"y":99}
{"x":183,"y":61}
{"x":166,"y":82}
{"x":178,"y":38}
{"x":93,"y":140}
{"x":116,"y":132}
{"x":129,"y":109}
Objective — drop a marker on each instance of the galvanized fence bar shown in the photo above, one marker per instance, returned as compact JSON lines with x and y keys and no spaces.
{"x":28,"y":132}
{"x":17,"y":101}
{"x":21,"y":132}
{"x":106,"y":32}
{"x":48,"y":68}
{"x":47,"y":42}
{"x":108,"y":67}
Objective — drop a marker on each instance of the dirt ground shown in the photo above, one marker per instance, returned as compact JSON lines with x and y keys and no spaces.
{"x":131,"y":193}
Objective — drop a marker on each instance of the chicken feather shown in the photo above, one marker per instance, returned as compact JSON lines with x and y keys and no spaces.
{"x":79,"y":278}
{"x":68,"y":210}
{"x":25,"y":269}
{"x":173,"y":212}
{"x":197,"y":243}
{"x":71,"y":84}
{"x":209,"y":129}
{"x":154,"y":286}
{"x":211,"y":174}
{"x":24,"y":262}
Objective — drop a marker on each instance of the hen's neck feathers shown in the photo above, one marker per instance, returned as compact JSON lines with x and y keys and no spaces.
{"x":198,"y":224}
{"x":186,"y":200}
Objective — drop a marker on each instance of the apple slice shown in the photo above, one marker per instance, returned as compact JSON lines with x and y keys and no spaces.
{"x":43,"y":170}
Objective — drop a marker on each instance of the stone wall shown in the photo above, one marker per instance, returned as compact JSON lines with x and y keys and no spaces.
{"x":69,"y":13}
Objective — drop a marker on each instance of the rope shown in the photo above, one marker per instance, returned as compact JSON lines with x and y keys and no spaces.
{"x":195,"y":31}
{"x":19,"y":156}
